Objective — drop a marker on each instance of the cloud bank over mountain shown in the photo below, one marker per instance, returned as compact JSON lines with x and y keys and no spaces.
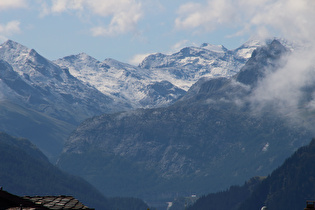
{"x":288,"y":84}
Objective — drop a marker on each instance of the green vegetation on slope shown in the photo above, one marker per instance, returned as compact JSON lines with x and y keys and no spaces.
{"x":289,"y":186}
{"x":229,"y":199}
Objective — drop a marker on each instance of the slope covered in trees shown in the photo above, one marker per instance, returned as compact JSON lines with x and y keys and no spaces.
{"x":289,"y":186}
{"x":229,"y":199}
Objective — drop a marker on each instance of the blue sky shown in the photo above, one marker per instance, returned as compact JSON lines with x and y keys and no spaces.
{"x":126,"y":30}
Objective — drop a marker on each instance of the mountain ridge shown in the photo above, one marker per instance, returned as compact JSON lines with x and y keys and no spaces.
{"x":132,"y":84}
{"x":120,"y":81}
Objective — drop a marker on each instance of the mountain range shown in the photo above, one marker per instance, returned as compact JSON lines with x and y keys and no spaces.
{"x":209,"y":139}
{"x":160,"y":79}
{"x":45,"y":100}
{"x":176,"y":125}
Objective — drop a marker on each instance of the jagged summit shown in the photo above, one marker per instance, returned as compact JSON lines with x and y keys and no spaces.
{"x":266,"y":54}
{"x":11,"y":47}
{"x":186,"y":67}
{"x":253,"y":42}
{"x":11,"y":51}
{"x":81,"y":56}
{"x":214,"y":48}
{"x":12,"y":44}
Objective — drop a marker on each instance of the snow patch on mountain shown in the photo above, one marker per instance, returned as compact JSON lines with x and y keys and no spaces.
{"x":187,"y":66}
{"x":214,"y":48}
{"x":120,"y":81}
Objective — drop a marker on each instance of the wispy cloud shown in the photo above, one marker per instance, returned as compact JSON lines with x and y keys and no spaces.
{"x":181,"y":44}
{"x":8,"y":29}
{"x":137,"y":59}
{"x":123,"y":14}
{"x":288,"y":18}
{"x":11,"y":27}
{"x":12,"y":4}
{"x":284,"y":87}
{"x":206,"y":17}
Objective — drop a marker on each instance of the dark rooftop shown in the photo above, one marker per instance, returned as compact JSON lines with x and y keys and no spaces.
{"x":9,"y":201}
{"x":57,"y":202}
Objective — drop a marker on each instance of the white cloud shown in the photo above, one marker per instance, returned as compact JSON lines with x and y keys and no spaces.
{"x":12,"y":4}
{"x":124,"y":14}
{"x":12,"y":27}
{"x":205,"y":16}
{"x":137,"y":59}
{"x":121,"y":22}
{"x":8,"y":29}
{"x":284,"y":88}
{"x":181,"y":44}
{"x":290,"y":18}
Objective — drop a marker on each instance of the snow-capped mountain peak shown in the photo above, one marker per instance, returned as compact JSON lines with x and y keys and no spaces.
{"x":14,"y":45}
{"x":246,"y":49}
{"x":13,"y":52}
{"x":187,"y":66}
{"x":214,"y":48}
